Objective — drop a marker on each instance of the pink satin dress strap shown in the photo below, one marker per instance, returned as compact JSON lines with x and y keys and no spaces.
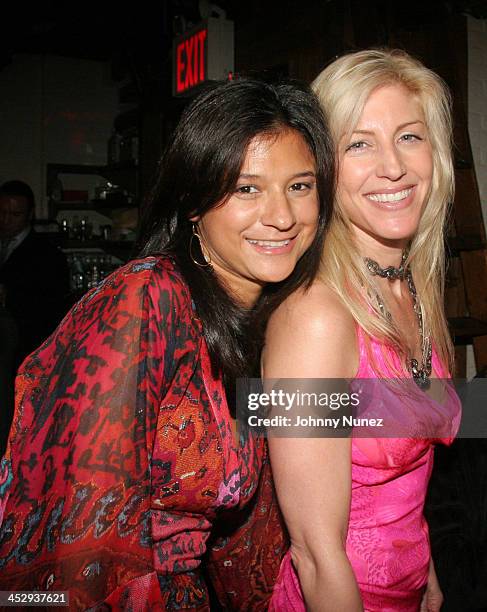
{"x":387,"y":542}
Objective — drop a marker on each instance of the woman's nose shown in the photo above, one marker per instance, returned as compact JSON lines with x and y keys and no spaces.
{"x":278,"y":212}
{"x":391,"y":165}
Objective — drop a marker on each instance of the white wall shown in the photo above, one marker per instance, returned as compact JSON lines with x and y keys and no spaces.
{"x":53,"y":110}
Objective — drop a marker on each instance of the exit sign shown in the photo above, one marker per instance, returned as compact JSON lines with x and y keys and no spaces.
{"x":202,"y":54}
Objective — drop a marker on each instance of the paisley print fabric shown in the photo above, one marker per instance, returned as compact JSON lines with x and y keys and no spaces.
{"x":121,"y":457}
{"x":244,"y":563}
{"x":387,"y":542}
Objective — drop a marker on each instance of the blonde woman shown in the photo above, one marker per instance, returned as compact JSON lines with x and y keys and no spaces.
{"x":359,"y":539}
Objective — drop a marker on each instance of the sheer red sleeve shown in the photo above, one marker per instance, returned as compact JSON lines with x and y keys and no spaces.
{"x":76,"y":486}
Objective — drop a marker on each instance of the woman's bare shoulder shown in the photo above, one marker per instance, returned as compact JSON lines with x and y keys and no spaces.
{"x":316,"y":331}
{"x":315,"y":308}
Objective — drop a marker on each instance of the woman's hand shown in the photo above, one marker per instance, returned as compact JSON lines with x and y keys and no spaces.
{"x":433,"y":597}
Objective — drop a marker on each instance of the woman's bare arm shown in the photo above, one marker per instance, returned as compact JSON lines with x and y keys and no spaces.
{"x":312,"y":336}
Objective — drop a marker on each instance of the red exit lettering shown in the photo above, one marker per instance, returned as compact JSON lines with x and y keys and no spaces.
{"x":190,"y":61}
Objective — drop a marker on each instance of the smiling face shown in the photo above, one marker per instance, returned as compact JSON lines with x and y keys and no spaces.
{"x":385,"y":169}
{"x":258,"y":235}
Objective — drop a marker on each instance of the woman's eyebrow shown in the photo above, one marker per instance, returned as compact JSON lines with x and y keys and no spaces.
{"x":399,"y":127}
{"x":297,"y":175}
{"x":403,"y":125}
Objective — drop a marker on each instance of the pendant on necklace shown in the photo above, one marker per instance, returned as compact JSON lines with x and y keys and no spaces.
{"x":420,"y":373}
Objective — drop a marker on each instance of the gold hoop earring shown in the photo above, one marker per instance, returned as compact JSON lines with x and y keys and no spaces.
{"x":207,"y":259}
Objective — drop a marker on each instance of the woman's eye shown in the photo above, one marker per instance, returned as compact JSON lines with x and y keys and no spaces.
{"x":357,"y":146}
{"x":246,"y":189}
{"x":410,"y":138}
{"x":300,"y":186}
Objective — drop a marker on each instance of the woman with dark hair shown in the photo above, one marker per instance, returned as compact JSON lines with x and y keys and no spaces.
{"x":124,"y":456}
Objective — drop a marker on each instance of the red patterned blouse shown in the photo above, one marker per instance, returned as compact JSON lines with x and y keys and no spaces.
{"x":123,"y":483}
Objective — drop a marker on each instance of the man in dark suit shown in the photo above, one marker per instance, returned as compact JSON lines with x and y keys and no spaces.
{"x":34,"y":283}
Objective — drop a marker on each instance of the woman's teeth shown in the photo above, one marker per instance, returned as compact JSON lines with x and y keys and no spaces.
{"x":270,"y":243}
{"x":390,"y":197}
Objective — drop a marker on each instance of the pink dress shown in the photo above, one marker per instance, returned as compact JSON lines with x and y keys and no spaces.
{"x":387,"y":543}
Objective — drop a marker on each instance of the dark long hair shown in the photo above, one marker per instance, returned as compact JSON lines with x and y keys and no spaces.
{"x":199,"y":170}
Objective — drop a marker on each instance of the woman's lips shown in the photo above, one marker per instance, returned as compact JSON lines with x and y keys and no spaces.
{"x":272,"y":247}
{"x":392,"y":199}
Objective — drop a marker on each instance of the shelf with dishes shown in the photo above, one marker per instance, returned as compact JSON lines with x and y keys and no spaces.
{"x":96,"y":213}
{"x":93,"y":220}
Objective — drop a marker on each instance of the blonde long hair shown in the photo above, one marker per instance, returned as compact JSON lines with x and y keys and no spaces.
{"x":343,"y":89}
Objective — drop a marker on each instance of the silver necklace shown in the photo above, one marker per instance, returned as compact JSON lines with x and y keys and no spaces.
{"x":390,"y":272}
{"x":420,"y":373}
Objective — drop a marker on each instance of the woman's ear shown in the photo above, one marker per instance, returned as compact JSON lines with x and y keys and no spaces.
{"x":195,"y":219}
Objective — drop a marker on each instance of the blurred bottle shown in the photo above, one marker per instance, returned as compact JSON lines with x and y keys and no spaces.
{"x":78,"y":280}
{"x":87,"y":270}
{"x":95,"y":272}
{"x":113,"y":153}
{"x":105,"y":266}
{"x":82,"y":229}
{"x":65,"y":228}
{"x":57,"y":190}
{"x":106,"y":231}
{"x":88,"y":228}
{"x":76,"y":228}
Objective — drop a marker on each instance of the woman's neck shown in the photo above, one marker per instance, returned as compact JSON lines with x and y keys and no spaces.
{"x":386,"y":253}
